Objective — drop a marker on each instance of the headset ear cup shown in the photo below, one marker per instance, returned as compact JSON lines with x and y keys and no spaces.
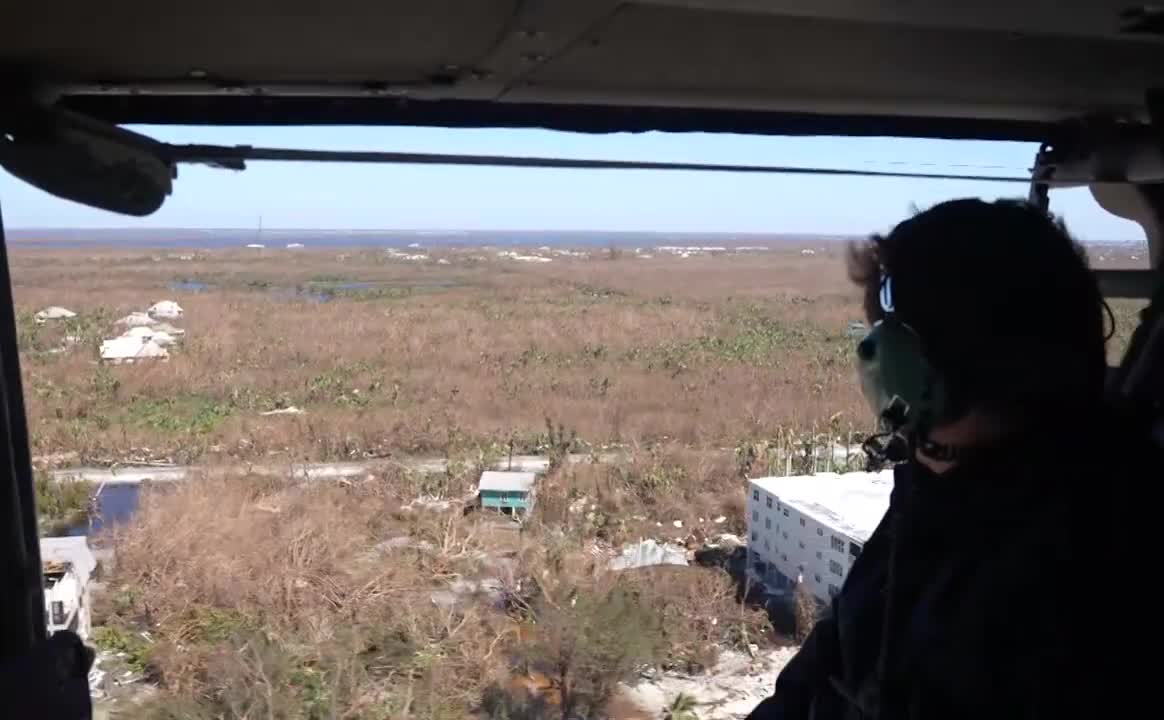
{"x":896,"y":377}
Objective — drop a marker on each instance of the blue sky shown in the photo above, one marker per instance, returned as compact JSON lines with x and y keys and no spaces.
{"x":335,"y":195}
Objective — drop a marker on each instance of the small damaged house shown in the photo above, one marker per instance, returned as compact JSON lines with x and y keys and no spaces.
{"x":511,"y":493}
{"x":67,"y":565}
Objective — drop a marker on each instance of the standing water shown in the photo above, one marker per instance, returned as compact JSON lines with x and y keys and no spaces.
{"x":114,"y":504}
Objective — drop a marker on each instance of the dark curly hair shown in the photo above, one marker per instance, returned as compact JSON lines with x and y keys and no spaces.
{"x":1003,"y":300}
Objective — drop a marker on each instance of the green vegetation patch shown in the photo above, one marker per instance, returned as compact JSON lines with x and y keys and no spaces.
{"x":60,"y":503}
{"x":119,"y":639}
{"x":192,"y":414}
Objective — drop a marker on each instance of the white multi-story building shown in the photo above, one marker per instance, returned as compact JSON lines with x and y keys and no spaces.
{"x":68,"y":565}
{"x":808,"y":529}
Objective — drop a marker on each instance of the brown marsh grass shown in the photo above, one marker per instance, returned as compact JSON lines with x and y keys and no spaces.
{"x":426,"y":358}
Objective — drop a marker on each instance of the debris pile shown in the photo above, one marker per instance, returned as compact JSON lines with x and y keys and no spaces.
{"x":130,"y":349}
{"x":729,"y":691}
{"x":165,"y":310}
{"x":412,"y":257}
{"x":290,"y":410}
{"x":97,"y":676}
{"x":148,"y":335}
{"x":509,"y":254}
{"x":137,"y":319}
{"x":648,"y":552}
{"x":54,"y":312}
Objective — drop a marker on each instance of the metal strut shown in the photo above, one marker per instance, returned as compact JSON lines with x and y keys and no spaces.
{"x":234,"y":158}
{"x":1041,"y":173}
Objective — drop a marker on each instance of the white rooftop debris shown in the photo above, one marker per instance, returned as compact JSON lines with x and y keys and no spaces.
{"x":523,"y":258}
{"x":163,"y":339}
{"x":690,"y":249}
{"x":443,"y":261}
{"x":130,"y":349}
{"x":853,"y":502}
{"x":413,"y":257}
{"x":135,"y":319}
{"x":723,"y":539}
{"x":256,"y":246}
{"x":168,"y":328}
{"x":54,"y":312}
{"x":720,"y":520}
{"x":166,"y":310}
{"x":678,"y":523}
{"x":808,"y":251}
{"x":294,"y":246}
{"x":648,"y":552}
{"x":500,"y":481}
{"x":153,"y":334}
{"x":292,"y":410}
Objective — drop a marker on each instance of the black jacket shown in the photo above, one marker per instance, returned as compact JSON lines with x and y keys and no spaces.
{"x":1012,"y":586}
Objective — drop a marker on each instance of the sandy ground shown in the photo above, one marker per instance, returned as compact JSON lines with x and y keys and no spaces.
{"x":729,"y":692}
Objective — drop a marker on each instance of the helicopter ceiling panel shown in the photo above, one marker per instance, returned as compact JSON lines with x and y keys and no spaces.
{"x":1008,"y":68}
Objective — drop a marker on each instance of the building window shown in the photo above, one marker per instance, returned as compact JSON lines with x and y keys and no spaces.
{"x":801,"y":544}
{"x":820,"y":531}
{"x":754,"y":536}
{"x":769,"y":499}
{"x":854,"y":549}
{"x":836,"y":568}
{"x":755,"y":516}
{"x":785,"y":536}
{"x":766,"y":545}
{"x":58,"y":612}
{"x":785,"y":512}
{"x":756,"y":495}
{"x":767,"y":523}
{"x":819,"y":555}
{"x":838,"y":544}
{"x":784,"y":557}
{"x":801,"y":522}
{"x":816,"y":576}
{"x":833,"y":590}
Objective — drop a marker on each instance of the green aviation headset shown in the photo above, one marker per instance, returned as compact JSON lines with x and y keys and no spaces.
{"x":905,"y":391}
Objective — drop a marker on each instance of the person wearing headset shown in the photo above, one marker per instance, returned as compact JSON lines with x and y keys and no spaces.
{"x":986,"y":590}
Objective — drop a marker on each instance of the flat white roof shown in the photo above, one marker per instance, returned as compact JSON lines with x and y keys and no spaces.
{"x":72,"y":551}
{"x":852,"y":503}
{"x":506,"y":481}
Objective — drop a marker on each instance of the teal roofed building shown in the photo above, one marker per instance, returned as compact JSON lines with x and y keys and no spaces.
{"x":511,"y":493}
